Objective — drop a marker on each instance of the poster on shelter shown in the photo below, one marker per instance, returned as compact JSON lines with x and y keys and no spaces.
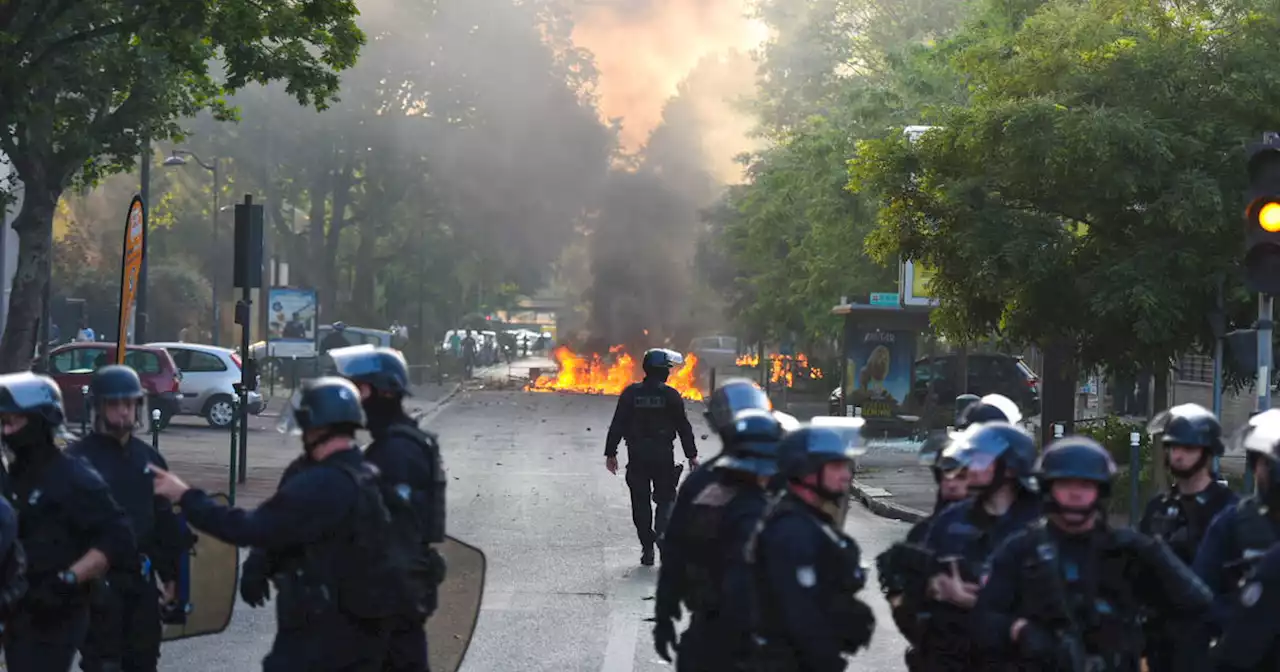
{"x":291,"y":322}
{"x":878,"y":371}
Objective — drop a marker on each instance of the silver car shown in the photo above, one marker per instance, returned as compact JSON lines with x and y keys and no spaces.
{"x":208,"y":374}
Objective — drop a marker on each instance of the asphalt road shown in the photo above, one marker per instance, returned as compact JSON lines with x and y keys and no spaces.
{"x":563,"y":588}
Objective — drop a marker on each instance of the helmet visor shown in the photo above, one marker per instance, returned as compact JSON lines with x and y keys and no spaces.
{"x":1260,"y":435}
{"x":355,"y":360}
{"x":789,"y":422}
{"x":1005,"y":405}
{"x":849,"y":430}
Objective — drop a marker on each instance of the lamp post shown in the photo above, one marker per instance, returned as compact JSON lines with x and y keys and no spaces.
{"x":176,"y":159}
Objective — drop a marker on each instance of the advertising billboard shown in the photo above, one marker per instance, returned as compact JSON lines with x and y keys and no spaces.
{"x":291,"y":322}
{"x":135,"y":232}
{"x":878,"y":371}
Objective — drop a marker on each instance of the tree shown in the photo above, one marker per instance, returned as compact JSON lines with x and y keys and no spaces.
{"x":1088,"y":195}
{"x":86,"y":83}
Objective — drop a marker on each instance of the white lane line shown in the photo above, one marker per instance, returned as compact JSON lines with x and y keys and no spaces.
{"x":620,"y":653}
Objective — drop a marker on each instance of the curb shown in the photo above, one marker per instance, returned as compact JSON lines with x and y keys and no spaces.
{"x":880,"y":502}
{"x":429,"y":414}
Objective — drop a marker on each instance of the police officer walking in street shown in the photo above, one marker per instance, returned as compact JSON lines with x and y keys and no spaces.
{"x":69,"y":525}
{"x":714,"y":513}
{"x":1068,"y":592}
{"x":649,"y":416}
{"x":331,"y":522}
{"x":1191,"y":437}
{"x":1250,"y":639}
{"x":804,"y":570}
{"x":408,"y":459}
{"x":124,"y":629}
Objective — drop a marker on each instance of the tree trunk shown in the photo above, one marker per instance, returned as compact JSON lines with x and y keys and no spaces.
{"x":363,"y":291}
{"x":1159,"y":402}
{"x":33,"y":224}
{"x":1058,"y":390}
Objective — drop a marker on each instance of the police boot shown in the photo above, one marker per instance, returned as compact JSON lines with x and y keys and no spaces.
{"x":646,"y":555}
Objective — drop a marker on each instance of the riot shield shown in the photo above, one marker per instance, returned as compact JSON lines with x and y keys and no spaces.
{"x":207,"y":583}
{"x":449,"y":629}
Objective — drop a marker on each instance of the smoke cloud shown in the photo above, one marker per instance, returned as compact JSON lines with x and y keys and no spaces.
{"x":645,"y":48}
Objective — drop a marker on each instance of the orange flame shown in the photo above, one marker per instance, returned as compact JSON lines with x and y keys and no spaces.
{"x":750,"y":361}
{"x":783,"y":369}
{"x":594,"y":374}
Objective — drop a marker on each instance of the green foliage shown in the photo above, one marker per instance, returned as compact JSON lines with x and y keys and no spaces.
{"x":1113,"y":433}
{"x":1089,"y":190}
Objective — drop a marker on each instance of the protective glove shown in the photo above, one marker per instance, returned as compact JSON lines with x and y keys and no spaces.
{"x":255,"y":585}
{"x":862,"y":624}
{"x":1036,"y":643}
{"x":664,"y":638}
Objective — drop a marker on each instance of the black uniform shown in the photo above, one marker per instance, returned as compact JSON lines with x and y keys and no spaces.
{"x":314,"y":527}
{"x":649,"y":416}
{"x":1082,"y":595}
{"x":1250,"y":640}
{"x":714,"y":514}
{"x":13,"y":563}
{"x":64,"y":510}
{"x":1181,"y":521}
{"x":805,"y":571}
{"x":125,"y":627}
{"x":408,"y":460}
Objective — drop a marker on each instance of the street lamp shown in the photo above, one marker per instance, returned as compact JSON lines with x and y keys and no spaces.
{"x":176,"y":159}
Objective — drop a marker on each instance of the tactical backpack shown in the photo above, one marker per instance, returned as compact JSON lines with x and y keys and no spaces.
{"x":379,"y":572}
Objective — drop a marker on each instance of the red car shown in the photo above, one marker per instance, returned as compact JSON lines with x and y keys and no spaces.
{"x":72,"y":365}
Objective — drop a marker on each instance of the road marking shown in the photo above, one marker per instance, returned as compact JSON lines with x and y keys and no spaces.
{"x":620,"y":653}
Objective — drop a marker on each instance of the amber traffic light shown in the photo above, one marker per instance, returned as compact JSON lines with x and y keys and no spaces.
{"x":1262,"y":219}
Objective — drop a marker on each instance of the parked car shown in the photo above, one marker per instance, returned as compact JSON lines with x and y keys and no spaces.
{"x":208,"y":376}
{"x":72,"y":365}
{"x":718,"y":352}
{"x":934,"y":386}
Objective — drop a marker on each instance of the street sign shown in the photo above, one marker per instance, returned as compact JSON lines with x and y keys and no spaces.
{"x":884,"y":298}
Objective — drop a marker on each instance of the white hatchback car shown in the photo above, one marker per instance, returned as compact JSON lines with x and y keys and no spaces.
{"x":208,"y":374}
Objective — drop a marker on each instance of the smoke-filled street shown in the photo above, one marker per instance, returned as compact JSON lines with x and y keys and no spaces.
{"x":564,"y":588}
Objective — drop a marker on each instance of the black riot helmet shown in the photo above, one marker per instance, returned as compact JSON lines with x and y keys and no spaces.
{"x":805,"y":451}
{"x":1260,"y":439}
{"x":1007,"y":446}
{"x":328,"y":402}
{"x":991,"y":408}
{"x":32,"y":395}
{"x":730,"y":398}
{"x":116,"y":381}
{"x":963,"y":402}
{"x":751,"y":442}
{"x":658,"y":362}
{"x":939,"y":454}
{"x":1189,"y":425}
{"x":1075,"y":458}
{"x":383,"y":369}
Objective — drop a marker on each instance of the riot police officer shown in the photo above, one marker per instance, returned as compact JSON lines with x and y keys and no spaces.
{"x":710,"y":522}
{"x":1191,"y":437}
{"x":1250,"y":640}
{"x":124,"y":628}
{"x":1240,"y":534}
{"x":650,"y":414}
{"x":998,"y":458}
{"x":1068,"y":591}
{"x":13,"y":564}
{"x":69,"y":525}
{"x":806,"y":570}
{"x":408,"y":459}
{"x":317,"y":521}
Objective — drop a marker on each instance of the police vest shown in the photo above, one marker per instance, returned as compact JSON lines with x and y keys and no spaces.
{"x":433,"y":522}
{"x":651,"y":416}
{"x":1254,"y":533}
{"x":1182,"y":521}
{"x":704,"y":565}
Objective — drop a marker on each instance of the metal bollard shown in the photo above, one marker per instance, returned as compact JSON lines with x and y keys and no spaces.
{"x":1135,"y":466}
{"x":84,"y":419}
{"x":235,"y":452}
{"x":155,"y":429}
{"x":712,"y":388}
{"x":293,"y":375}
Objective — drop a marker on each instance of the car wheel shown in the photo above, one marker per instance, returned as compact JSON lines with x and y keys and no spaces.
{"x":220,"y":412}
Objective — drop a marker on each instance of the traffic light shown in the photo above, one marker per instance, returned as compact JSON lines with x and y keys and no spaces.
{"x":1262,"y":219}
